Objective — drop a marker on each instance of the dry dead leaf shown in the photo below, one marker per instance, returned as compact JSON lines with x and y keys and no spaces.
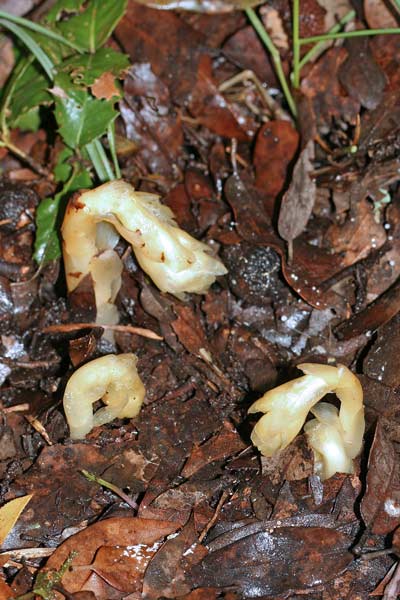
{"x":274,"y":25}
{"x":298,"y":201}
{"x":378,"y":15}
{"x":104,"y":86}
{"x":9,"y":514}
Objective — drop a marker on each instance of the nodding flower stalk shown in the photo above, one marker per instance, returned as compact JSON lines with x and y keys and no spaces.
{"x":94,"y":220}
{"x":325,"y":437}
{"x":286,"y":408}
{"x":112,"y":379}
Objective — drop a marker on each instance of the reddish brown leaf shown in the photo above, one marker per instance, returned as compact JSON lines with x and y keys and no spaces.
{"x":378,"y":15}
{"x":245,"y":49}
{"x":380,"y":506}
{"x":323,"y":91}
{"x":376,"y":314}
{"x":312,"y":18}
{"x":275,"y":148}
{"x":212,"y":110}
{"x":169,"y":44}
{"x":117,"y":549}
{"x":364,"y":84}
{"x":382,"y":362}
{"x":276,"y":561}
{"x":311,"y":265}
{"x":358,"y":236}
{"x":298,"y":202}
{"x":151,"y":122}
{"x":225,"y":443}
{"x":166,"y":573}
{"x":189,"y":330}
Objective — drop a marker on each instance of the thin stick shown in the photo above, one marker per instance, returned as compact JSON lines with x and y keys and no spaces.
{"x":67,"y":327}
{"x":211,"y":522}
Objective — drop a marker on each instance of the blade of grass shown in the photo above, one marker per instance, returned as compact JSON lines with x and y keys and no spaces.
{"x":96,"y":161}
{"x":39,"y":29}
{"x":259,"y":28}
{"x":296,"y":45}
{"x":344,"y":35}
{"x":335,"y":29}
{"x":113,"y":150}
{"x":103,"y":157}
{"x":30,"y":43}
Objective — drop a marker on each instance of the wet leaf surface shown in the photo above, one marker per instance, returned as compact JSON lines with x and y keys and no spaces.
{"x":272,"y":562}
{"x":380,"y":505}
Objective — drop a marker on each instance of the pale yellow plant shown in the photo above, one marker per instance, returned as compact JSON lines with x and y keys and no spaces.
{"x":286,"y":408}
{"x":112,"y":379}
{"x":94,"y":220}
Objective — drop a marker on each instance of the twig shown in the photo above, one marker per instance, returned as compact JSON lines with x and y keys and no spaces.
{"x":211,"y":522}
{"x":67,"y":327}
{"x":26,"y":159}
{"x":92,"y":477}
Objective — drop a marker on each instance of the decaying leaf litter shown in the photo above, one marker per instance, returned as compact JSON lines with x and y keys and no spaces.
{"x":304,"y":214}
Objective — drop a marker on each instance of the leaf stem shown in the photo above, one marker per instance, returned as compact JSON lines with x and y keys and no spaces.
{"x":335,"y":29}
{"x":39,"y":29}
{"x":113,"y":149}
{"x":259,"y":28}
{"x":348,"y":34}
{"x":296,"y":45}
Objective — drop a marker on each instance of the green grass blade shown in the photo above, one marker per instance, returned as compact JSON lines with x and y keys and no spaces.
{"x":39,"y":29}
{"x":30,"y":43}
{"x":113,"y":149}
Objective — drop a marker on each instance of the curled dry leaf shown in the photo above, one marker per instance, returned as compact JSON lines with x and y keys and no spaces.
{"x":118,"y":550}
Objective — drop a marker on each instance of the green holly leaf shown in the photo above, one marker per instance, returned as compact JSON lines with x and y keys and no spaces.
{"x":86,"y":68}
{"x":91,"y":27}
{"x":80,"y":117}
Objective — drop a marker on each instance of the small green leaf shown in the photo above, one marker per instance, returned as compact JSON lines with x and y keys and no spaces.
{"x":80,"y":117}
{"x":30,"y":92}
{"x":92,"y":27}
{"x":49,"y":214}
{"x":62,"y":8}
{"x":28,"y":121}
{"x":86,"y":68}
{"x":63,"y":168}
